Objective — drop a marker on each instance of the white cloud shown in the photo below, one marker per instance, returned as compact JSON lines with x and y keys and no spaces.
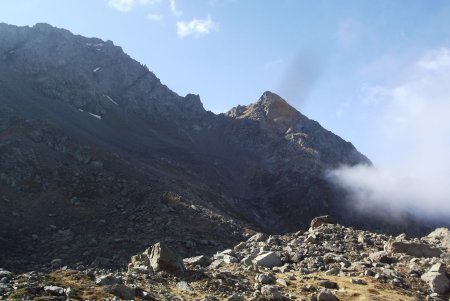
{"x":348,"y":32}
{"x":436,"y":60}
{"x":197,"y":27}
{"x":414,"y":130}
{"x":174,"y":9}
{"x":128,"y":5}
{"x":155,"y":17}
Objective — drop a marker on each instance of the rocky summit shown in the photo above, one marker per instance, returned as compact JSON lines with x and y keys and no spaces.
{"x":99,"y":161}
{"x":326,"y":262}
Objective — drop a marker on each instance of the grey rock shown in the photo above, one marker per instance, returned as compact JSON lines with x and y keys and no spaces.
{"x":269,"y":259}
{"x":437,"y":267}
{"x":109,"y":279}
{"x":5,"y":273}
{"x":239,"y":247}
{"x":201,"y":260}
{"x":320,"y":220}
{"x":247,"y":260}
{"x":382,"y":256}
{"x":54,"y":290}
{"x":216,"y":263}
{"x":162,"y":258}
{"x":229,"y":259}
{"x":157,"y":258}
{"x":71,"y":292}
{"x":437,"y":279}
{"x":271,"y":292}
{"x":265,"y":278}
{"x":311,"y":239}
{"x":184,"y":286}
{"x":236,"y":297}
{"x":258,"y":237}
{"x":440,"y":236}
{"x":326,"y":295}
{"x":333,"y":271}
{"x":412,"y":248}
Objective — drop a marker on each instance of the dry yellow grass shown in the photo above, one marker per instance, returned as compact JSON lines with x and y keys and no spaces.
{"x":373,"y":291}
{"x":80,"y":282}
{"x":298,"y":286}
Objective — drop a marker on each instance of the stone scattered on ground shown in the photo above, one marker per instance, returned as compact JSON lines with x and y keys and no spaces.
{"x":339,"y":264}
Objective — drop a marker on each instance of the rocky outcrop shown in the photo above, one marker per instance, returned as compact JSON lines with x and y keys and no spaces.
{"x":412,"y":248}
{"x":319,"y":221}
{"x":157,"y":258}
{"x":437,"y":279}
{"x":441,"y":237}
{"x":269,"y":259}
{"x":338,"y":266}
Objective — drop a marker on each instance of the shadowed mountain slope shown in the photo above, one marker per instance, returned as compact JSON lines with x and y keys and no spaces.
{"x":100,"y":159}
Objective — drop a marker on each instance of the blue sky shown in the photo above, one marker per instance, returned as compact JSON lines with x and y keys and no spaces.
{"x":338,"y":62}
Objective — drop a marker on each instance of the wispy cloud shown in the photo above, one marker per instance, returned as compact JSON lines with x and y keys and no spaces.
{"x":197,"y":27}
{"x":414,"y":130}
{"x":155,"y":17}
{"x":173,"y":8}
{"x":128,"y":5}
{"x":436,"y":60}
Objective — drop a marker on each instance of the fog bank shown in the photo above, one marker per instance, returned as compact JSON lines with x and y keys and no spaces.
{"x":413,"y":132}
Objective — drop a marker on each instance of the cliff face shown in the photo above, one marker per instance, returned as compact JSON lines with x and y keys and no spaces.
{"x":99,"y":158}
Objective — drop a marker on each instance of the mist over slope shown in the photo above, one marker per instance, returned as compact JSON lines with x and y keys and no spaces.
{"x":414,"y":129}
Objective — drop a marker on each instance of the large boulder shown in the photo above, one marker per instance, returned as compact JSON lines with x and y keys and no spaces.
{"x":320,"y":220}
{"x":326,"y":295}
{"x":258,"y":237}
{"x":268,"y":259}
{"x":54,"y":290}
{"x":271,"y":293}
{"x":381,"y":256}
{"x":162,"y":258}
{"x":437,"y":279}
{"x":415,"y":249}
{"x":108,"y":279}
{"x":440,"y":237}
{"x":201,"y":260}
{"x":157,"y":258}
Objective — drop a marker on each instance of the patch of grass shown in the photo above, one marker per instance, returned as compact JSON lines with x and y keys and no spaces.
{"x":81,"y":283}
{"x":44,"y":298}
{"x":19,"y":294}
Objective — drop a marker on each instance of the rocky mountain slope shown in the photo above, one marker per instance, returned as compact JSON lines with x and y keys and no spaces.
{"x":328,"y":262}
{"x":99,"y":159}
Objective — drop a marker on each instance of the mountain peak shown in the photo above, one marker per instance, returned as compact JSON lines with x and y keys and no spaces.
{"x":276,"y":108}
{"x":271,"y":97}
{"x":271,"y":110}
